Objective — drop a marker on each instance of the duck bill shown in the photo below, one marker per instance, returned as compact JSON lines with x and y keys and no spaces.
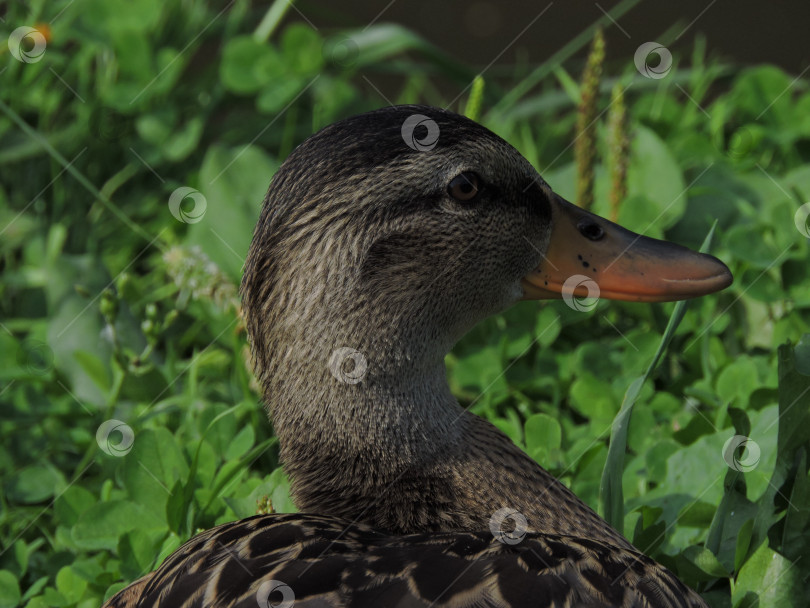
{"x":589,"y":256}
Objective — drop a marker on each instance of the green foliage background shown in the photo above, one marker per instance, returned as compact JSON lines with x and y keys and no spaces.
{"x":112,"y":309}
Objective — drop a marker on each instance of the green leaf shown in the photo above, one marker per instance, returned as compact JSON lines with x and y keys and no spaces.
{"x":743,"y":543}
{"x":737,"y":381}
{"x":770,"y":578}
{"x":248,"y":65}
{"x":94,"y":368}
{"x":9,"y":590}
{"x":795,"y":538}
{"x":152,"y":467}
{"x":24,"y":550}
{"x":234,"y":182}
{"x":102,"y":525}
{"x":593,"y":398}
{"x":746,"y":243}
{"x":137,"y":550}
{"x":656,"y":190}
{"x":543,"y":437}
{"x":301,"y":46}
{"x":706,"y":561}
{"x":282,"y":501}
{"x":763,"y":87}
{"x":72,"y":503}
{"x":547,"y":327}
{"x":33,"y":484}
{"x":184,"y":140}
{"x":177,"y":507}
{"x":241,"y":443}
{"x":70,"y":585}
{"x":232,"y":469}
{"x":275,"y":96}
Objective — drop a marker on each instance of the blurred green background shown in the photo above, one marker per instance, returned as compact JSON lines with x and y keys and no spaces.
{"x":137,"y":140}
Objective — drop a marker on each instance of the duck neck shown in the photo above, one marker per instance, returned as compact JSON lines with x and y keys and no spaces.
{"x":357,"y":401}
{"x":372,"y":433}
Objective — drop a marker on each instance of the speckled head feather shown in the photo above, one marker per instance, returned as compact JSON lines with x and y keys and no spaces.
{"x":363,"y":224}
{"x":360,"y":249}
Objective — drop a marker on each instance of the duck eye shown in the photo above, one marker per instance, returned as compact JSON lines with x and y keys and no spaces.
{"x":464,"y":186}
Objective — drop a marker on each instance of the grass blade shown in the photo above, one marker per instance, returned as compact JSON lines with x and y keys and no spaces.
{"x":611,"y":495}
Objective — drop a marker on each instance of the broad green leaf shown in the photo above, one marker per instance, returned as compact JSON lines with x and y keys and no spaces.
{"x":706,"y":561}
{"x":301,"y":46}
{"x":72,"y":503}
{"x":770,"y":578}
{"x":760,"y":88}
{"x":102,"y":525}
{"x":94,"y":368}
{"x":655,"y":180}
{"x":278,"y":94}
{"x":33,"y":484}
{"x":543,"y":438}
{"x":137,"y":550}
{"x":593,"y":398}
{"x":152,"y":467}
{"x":9,"y":590}
{"x":69,"y":584}
{"x":248,"y":65}
{"x":737,"y":381}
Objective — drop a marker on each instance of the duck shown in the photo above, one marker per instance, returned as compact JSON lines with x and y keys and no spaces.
{"x":382,"y":240}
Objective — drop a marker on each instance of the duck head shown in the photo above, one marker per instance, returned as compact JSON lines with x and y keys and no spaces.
{"x":408,"y":225}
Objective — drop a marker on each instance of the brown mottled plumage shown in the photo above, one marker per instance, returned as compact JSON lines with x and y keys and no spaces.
{"x":362,"y":274}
